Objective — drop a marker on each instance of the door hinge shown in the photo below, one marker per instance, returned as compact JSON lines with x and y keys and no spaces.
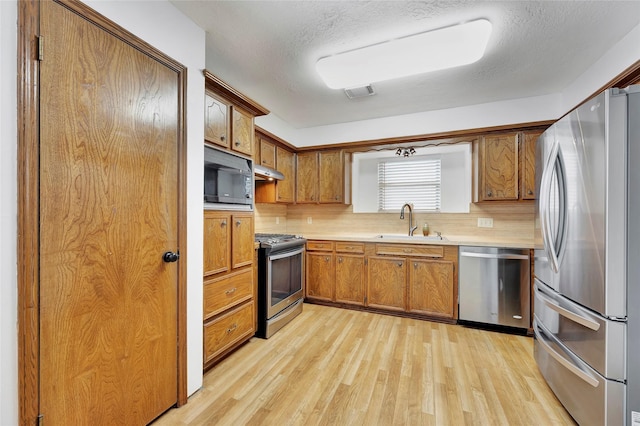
{"x":40,"y":420}
{"x":40,"y":48}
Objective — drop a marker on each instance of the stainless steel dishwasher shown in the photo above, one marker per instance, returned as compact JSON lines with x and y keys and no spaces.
{"x":494,"y":286}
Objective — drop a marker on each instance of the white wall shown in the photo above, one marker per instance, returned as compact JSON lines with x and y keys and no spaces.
{"x":160,"y":24}
{"x":8,"y":216}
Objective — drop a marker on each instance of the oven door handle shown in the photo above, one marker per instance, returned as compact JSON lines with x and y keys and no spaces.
{"x":284,"y":254}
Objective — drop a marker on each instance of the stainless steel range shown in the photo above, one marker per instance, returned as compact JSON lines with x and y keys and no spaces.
{"x":280,"y":281}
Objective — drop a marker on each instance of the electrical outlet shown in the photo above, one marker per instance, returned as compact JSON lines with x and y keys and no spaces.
{"x":485,"y":222}
{"x":309,"y":220}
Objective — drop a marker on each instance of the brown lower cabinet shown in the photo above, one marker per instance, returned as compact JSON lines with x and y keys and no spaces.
{"x":229,"y":283}
{"x":419,"y":280}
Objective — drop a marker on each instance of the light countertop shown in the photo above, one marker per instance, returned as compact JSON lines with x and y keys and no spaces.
{"x":452,"y":240}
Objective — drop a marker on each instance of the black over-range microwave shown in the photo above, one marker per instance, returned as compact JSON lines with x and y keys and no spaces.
{"x":228,"y":180}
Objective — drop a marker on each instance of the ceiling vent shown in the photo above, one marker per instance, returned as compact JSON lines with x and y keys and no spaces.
{"x":359,"y":92}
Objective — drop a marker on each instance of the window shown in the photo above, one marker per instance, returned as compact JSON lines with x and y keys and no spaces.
{"x":414,"y":180}
{"x":454,"y":187}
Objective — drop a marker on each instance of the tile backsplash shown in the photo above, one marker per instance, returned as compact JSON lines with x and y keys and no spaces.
{"x":509,"y":220}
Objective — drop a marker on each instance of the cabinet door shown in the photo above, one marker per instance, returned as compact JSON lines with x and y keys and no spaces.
{"x":217,"y":239}
{"x":242,"y":239}
{"x":307,"y":177}
{"x":267,"y":154}
{"x":331,"y":169}
{"x":242,"y":132}
{"x":320,"y":276}
{"x":387,"y":278}
{"x":431,"y":287}
{"x":499,"y":167}
{"x":528,"y":185}
{"x":216,"y":121}
{"x":350,"y":279}
{"x":285,"y":163}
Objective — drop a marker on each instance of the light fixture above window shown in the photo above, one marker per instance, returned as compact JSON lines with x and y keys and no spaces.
{"x":416,"y":54}
{"x":405,"y":152}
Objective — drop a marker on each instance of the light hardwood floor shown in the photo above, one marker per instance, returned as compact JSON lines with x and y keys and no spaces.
{"x":340,"y":367}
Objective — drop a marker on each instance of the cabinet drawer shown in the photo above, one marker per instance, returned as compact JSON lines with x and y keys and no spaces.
{"x":320,"y":245}
{"x":222,"y":293}
{"x":231,"y":328}
{"x":350,"y":247}
{"x":410,"y":250}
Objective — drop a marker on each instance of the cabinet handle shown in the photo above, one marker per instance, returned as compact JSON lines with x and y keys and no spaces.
{"x":237,"y":143}
{"x":415,"y":266}
{"x":224,"y":223}
{"x":232,"y":328}
{"x":222,"y":138}
{"x":489,"y":194}
{"x":530,"y":192}
{"x":339,"y":260}
{"x":399,"y":264}
{"x":337,"y":197}
{"x":326,"y":259}
{"x":238,"y":223}
{"x":230,"y":291}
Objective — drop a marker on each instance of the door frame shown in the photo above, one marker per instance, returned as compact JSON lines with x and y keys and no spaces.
{"x":28,"y":198}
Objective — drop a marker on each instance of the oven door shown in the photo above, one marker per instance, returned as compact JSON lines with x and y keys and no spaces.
{"x":285,"y":278}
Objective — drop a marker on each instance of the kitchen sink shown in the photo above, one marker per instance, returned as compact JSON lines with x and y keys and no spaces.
{"x":411,"y":237}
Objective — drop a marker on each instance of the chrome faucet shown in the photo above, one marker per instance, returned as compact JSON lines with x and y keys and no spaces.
{"x":411,"y":227}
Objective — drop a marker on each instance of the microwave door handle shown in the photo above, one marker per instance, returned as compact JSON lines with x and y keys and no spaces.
{"x":573,"y":316}
{"x":588,"y":378}
{"x":544,"y":212}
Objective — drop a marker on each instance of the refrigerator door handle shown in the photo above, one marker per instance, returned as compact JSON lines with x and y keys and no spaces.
{"x":586,"y":322}
{"x":545,"y":192}
{"x":588,"y":378}
{"x":552,"y":247}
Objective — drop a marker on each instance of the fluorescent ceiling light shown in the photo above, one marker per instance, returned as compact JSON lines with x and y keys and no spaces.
{"x":416,"y":54}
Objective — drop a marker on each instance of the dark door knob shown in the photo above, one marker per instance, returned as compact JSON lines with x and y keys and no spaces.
{"x":170,"y":257}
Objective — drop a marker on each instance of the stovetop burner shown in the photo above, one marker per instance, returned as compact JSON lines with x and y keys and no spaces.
{"x":278,"y":240}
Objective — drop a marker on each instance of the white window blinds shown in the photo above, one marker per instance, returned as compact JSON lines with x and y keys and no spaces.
{"x":412,"y":180}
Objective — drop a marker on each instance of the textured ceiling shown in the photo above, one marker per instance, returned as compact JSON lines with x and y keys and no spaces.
{"x":268,"y":51}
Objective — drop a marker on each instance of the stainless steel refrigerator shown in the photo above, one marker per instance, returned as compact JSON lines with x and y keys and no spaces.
{"x":587,"y":259}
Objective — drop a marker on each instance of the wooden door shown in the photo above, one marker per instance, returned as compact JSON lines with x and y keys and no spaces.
{"x":285,"y":162}
{"x":320,"y":276}
{"x":499,"y":167}
{"x":350,"y":279}
{"x":528,"y":191}
{"x":109,"y":179}
{"x":331,"y":170}
{"x":216,"y":243}
{"x":267,"y":153}
{"x":431,"y":287}
{"x":242,"y":132}
{"x":242,"y":240}
{"x":387,"y":283}
{"x":307,"y":177}
{"x":216,"y":121}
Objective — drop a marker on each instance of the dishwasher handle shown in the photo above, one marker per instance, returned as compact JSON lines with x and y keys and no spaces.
{"x":495,"y":256}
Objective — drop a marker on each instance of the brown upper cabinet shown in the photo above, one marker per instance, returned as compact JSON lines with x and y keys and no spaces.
{"x":323,"y":177}
{"x":242,"y":132}
{"x":228,"y":119}
{"x":528,"y":181}
{"x":505,"y":167}
{"x":267,"y":152}
{"x":271,"y":154}
{"x":216,"y":118}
